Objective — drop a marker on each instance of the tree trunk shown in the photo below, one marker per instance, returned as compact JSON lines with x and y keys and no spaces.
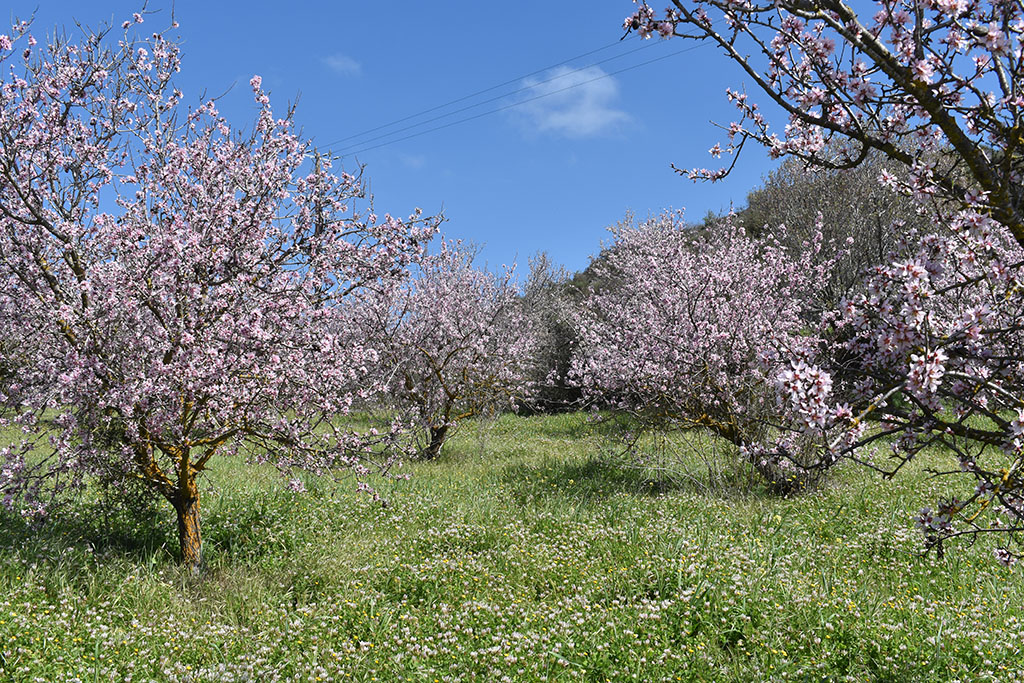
{"x":433,"y":449}
{"x":187,"y":507}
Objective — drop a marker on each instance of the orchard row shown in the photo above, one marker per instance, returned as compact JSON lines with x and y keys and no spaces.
{"x":177,"y":289}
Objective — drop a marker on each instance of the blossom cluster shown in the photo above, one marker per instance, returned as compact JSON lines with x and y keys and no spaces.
{"x":455,"y":342}
{"x":690,"y":328}
{"x":932,"y":350}
{"x":173,"y":288}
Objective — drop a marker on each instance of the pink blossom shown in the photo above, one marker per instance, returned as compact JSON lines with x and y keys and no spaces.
{"x":454,"y":340}
{"x":924,"y":70}
{"x":692,"y":331}
{"x":935,"y":337}
{"x":1005,"y":557}
{"x":204,"y":310}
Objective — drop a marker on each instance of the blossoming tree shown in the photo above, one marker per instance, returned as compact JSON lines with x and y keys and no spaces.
{"x":172,"y":286}
{"x":934,"y":352}
{"x":689,"y":329}
{"x":458,"y":343}
{"x":549,"y":301}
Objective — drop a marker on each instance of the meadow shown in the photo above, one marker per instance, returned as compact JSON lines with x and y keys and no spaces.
{"x":526,"y":552}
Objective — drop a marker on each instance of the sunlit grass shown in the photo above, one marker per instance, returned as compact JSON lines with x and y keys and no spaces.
{"x":527,"y":552}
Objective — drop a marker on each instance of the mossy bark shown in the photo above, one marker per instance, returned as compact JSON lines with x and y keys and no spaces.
{"x":186,"y":504}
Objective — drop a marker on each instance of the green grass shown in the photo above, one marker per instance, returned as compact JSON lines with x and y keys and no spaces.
{"x":524,"y":553}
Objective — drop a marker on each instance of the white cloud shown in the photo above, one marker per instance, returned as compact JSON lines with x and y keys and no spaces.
{"x":343,"y":64}
{"x":576,"y":103}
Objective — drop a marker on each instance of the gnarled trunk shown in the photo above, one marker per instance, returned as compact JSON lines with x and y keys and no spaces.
{"x":186,"y":504}
{"x":433,"y":449}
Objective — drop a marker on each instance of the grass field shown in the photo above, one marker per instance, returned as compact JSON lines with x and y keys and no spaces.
{"x":523,"y":554}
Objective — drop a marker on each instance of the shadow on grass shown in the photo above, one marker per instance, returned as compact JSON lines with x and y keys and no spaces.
{"x":567,"y":425}
{"x":88,"y":528}
{"x":583,"y":425}
{"x":234,"y":528}
{"x":603,"y":476}
{"x":596,"y":478}
{"x":249,"y":527}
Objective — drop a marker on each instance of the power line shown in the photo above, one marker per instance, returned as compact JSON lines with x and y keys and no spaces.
{"x":481,"y":92}
{"x":487,"y":101}
{"x":522,"y":102}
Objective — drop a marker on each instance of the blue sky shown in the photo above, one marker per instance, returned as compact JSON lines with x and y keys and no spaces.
{"x":546,"y":174}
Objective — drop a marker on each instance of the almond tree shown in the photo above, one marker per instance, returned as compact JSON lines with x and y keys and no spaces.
{"x":690,"y":328}
{"x":458,"y":343}
{"x":549,"y":301}
{"x":173,"y":286}
{"x":934,"y":352}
